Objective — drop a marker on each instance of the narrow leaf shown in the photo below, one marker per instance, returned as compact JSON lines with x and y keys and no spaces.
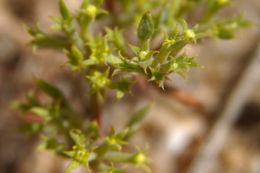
{"x":49,"y":89}
{"x":73,"y":165}
{"x":138,"y":116}
{"x":145,"y":28}
{"x":65,"y":13}
{"x":42,"y":112}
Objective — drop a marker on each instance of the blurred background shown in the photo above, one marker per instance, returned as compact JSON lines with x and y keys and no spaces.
{"x":209,"y":123}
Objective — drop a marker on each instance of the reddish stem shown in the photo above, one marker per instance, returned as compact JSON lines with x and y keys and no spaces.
{"x":96,"y":110}
{"x":110,"y":5}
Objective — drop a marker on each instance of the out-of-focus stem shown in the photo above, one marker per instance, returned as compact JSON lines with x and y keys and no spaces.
{"x":96,"y":110}
{"x":229,"y":111}
{"x":110,"y":5}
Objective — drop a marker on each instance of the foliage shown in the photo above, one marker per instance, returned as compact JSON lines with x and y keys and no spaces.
{"x":68,"y":134}
{"x":107,"y":59}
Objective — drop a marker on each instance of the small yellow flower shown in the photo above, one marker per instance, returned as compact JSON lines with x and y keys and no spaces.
{"x":223,"y":2}
{"x":91,"y":10}
{"x":190,"y":34}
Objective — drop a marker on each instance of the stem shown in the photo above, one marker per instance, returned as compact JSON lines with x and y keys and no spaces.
{"x":110,"y":5}
{"x":96,"y":110}
{"x":145,"y":45}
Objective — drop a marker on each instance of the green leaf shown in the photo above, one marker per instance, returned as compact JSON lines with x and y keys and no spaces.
{"x":141,"y":161}
{"x":114,"y":156}
{"x":75,"y":55}
{"x":32,"y":128}
{"x":19,"y":105}
{"x":73,"y":165}
{"x":77,"y":137}
{"x":49,"y":144}
{"x":33,"y":31}
{"x":116,"y":37}
{"x":93,"y":130}
{"x":98,"y":3}
{"x":226,"y":29}
{"x":44,"y":40}
{"x":158,"y":76}
{"x":121,"y":87}
{"x":135,"y":49}
{"x":42,"y":112}
{"x":99,"y":49}
{"x":117,"y":140}
{"x":84,"y":4}
{"x":182,"y":64}
{"x":64,"y":11}
{"x":212,"y":7}
{"x":146,"y":28}
{"x":49,"y":89}
{"x":110,"y":169}
{"x":128,"y":65}
{"x":138,"y":116}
